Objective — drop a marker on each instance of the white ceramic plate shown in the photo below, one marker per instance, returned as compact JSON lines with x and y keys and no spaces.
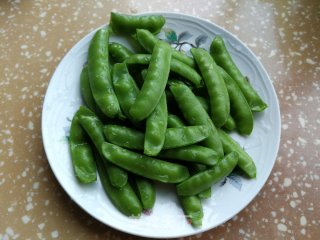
{"x":166,"y":220}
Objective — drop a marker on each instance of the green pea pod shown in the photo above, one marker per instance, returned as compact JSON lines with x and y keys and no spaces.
{"x":124,"y":199}
{"x":192,"y":153}
{"x":203,"y":180}
{"x":148,"y":41}
{"x":174,"y":137}
{"x":245,"y":163}
{"x":119,"y":52}
{"x":192,"y":208}
{"x":124,"y":136}
{"x":240,"y":109}
{"x":230,"y":124}
{"x":143,"y":165}
{"x":155,"y":82}
{"x":125,"y":87}
{"x":195,"y":114}
{"x":174,"y":121}
{"x":146,"y":191}
{"x":205,"y":194}
{"x":99,"y":74}
{"x":222,"y":57}
{"x":156,"y":125}
{"x":176,"y":66}
{"x":93,"y":126}
{"x":128,"y":24}
{"x":86,"y":89}
{"x":197,"y":168}
{"x":81,"y":153}
{"x":204,"y":103}
{"x":217,"y":90}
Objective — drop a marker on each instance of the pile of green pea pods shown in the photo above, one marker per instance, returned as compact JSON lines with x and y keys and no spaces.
{"x":159,"y":115}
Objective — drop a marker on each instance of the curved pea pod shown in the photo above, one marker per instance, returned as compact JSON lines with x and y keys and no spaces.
{"x":204,"y":103}
{"x":222,"y":57}
{"x":146,"y":191}
{"x":124,"y":136}
{"x":192,"y":208}
{"x":125,"y":87}
{"x":86,"y":90}
{"x":128,"y":24}
{"x":143,"y":165}
{"x":203,"y":180}
{"x":175,"y":121}
{"x":245,"y":163}
{"x":156,"y":125}
{"x":124,"y":199}
{"x":184,"y":136}
{"x":230,"y":124}
{"x":93,"y":127}
{"x":148,"y":41}
{"x":196,"y":168}
{"x":176,"y":66}
{"x":217,"y":90}
{"x":240,"y":109}
{"x":154,"y":84}
{"x":192,"y":153}
{"x":119,"y":52}
{"x":99,"y":74}
{"x":81,"y":153}
{"x":195,"y":114}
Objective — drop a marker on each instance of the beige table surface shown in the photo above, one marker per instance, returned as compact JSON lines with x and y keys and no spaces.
{"x":34,"y":37}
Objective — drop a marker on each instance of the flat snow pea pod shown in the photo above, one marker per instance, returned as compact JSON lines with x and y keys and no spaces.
{"x":192,"y":208}
{"x":195,"y":114}
{"x":245,"y":163}
{"x":155,"y":82}
{"x":203,"y":180}
{"x":184,"y":136}
{"x":240,"y":109}
{"x":81,"y":153}
{"x":119,"y":52}
{"x":222,"y":57}
{"x":175,"y":121}
{"x":143,"y":165}
{"x":99,"y":74}
{"x":124,"y":199}
{"x":192,"y":153}
{"x":148,"y":41}
{"x":146,"y":191}
{"x":128,"y":24}
{"x":125,"y":87}
{"x":217,"y":90}
{"x":176,"y":66}
{"x":93,"y":126}
{"x":156,"y":125}
{"x":230,"y":124}
{"x":124,"y":136}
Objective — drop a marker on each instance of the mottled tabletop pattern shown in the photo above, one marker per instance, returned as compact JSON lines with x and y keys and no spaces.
{"x":34,"y":37}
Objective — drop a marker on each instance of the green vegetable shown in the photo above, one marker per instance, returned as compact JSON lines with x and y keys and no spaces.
{"x":148,"y":41}
{"x":146,"y":191}
{"x":81,"y":153}
{"x":93,"y":127}
{"x":218,"y":94}
{"x":245,"y":162}
{"x":119,"y":52}
{"x":192,"y":208}
{"x":203,"y":180}
{"x":99,"y":74}
{"x":154,"y":84}
{"x":156,"y":125}
{"x":127,"y":24}
{"x":145,"y":166}
{"x":222,"y":57}
{"x":230,"y":124}
{"x":194,"y":114}
{"x":240,"y":109}
{"x":124,"y":199}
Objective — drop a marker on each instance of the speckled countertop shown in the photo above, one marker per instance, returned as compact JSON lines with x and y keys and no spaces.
{"x":35,"y":35}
